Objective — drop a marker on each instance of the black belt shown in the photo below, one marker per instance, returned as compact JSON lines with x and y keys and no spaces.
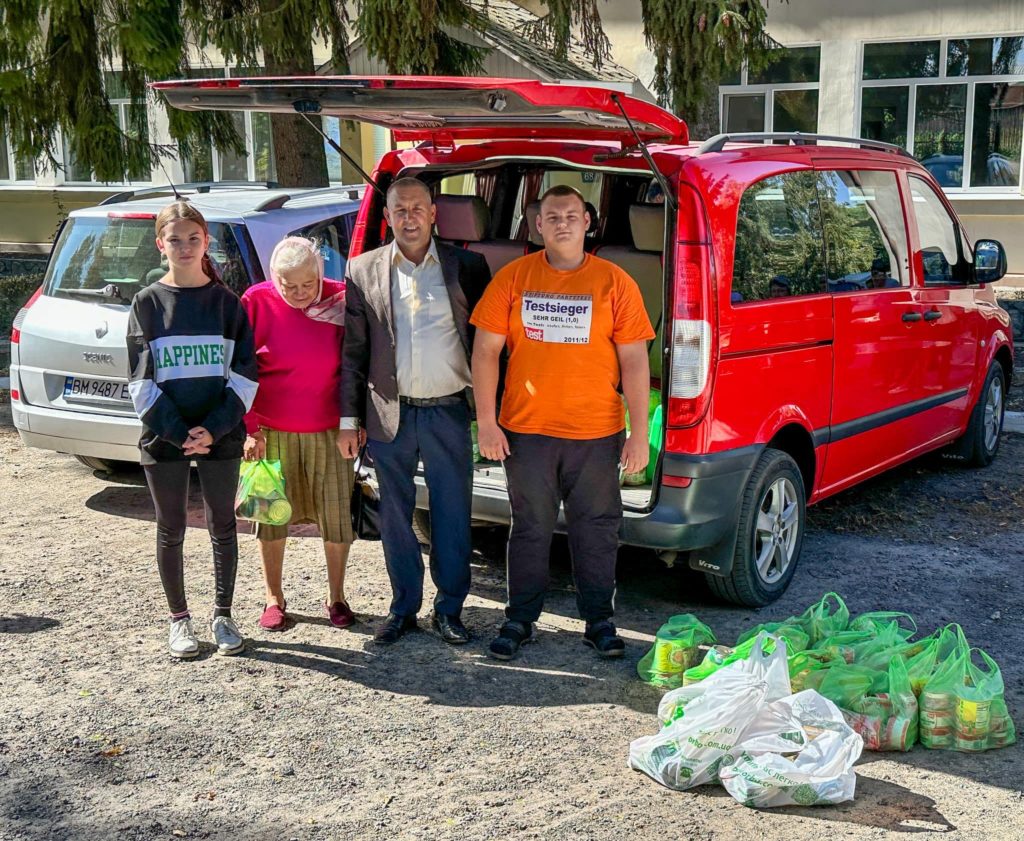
{"x":424,"y":402}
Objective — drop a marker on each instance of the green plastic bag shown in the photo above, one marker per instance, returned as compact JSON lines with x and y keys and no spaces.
{"x":845,"y":685}
{"x":796,"y":638}
{"x":879,"y":619}
{"x":878,"y":652}
{"x":807,"y":668}
{"x":674,"y":650}
{"x":933,"y":651}
{"x":827,"y":617}
{"x":887,"y":719}
{"x":963,"y":706}
{"x":260,"y":496}
{"x":722,"y":655}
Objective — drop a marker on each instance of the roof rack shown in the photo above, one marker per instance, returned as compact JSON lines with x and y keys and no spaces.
{"x":196,"y":186}
{"x":277,"y":202}
{"x":796,"y":138}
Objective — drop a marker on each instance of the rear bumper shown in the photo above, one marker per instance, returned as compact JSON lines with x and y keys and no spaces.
{"x":701,"y":516}
{"x":77,"y":433}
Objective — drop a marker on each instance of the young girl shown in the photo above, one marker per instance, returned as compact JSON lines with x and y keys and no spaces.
{"x":192,"y":379}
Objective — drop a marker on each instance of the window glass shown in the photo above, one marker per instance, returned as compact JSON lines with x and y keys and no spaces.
{"x":24,"y":169}
{"x":730,"y":76}
{"x":939,"y":121}
{"x":985,"y":56}
{"x":233,"y":167}
{"x":998,"y":122}
{"x":941,"y":253}
{"x":901,"y":60}
{"x":5,"y":160}
{"x":744,"y":112}
{"x":197,"y":162}
{"x":883,"y":114}
{"x":332,"y":128}
{"x":334,"y":237}
{"x":93,"y":252}
{"x":795,"y":111}
{"x":793,"y":64}
{"x":263,"y":148}
{"x":779,"y":250}
{"x":135,"y":123}
{"x":459,"y":185}
{"x":865,"y":236}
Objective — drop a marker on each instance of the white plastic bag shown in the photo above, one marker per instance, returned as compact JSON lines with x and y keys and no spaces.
{"x":818,"y":771}
{"x":709,"y":719}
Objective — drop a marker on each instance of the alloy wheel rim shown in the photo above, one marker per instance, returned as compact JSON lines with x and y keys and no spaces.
{"x":777,"y":530}
{"x":993,"y":413}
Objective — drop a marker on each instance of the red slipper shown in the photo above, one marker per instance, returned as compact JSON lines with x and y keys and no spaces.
{"x":341,"y":615}
{"x":274,"y":618}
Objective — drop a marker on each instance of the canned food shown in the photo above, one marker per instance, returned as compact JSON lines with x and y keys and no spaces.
{"x":897,"y":733}
{"x":937,"y":742}
{"x":937,"y":701}
{"x":931,"y":718}
{"x":974,"y":713}
{"x":970,"y":745}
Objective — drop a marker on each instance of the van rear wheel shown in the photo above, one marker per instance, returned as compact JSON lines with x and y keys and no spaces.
{"x":105,"y":465}
{"x":770,"y":533}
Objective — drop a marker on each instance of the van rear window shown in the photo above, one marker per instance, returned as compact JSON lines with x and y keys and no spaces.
{"x":93,"y":253}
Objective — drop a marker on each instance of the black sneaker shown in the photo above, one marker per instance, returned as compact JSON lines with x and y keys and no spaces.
{"x":512,"y":635}
{"x":602,"y":638}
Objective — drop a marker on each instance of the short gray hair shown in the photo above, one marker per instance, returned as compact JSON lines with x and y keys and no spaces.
{"x":293,"y":252}
{"x":408,"y":182}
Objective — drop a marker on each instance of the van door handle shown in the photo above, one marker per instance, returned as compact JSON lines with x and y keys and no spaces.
{"x":932,"y":315}
{"x":911,"y":316}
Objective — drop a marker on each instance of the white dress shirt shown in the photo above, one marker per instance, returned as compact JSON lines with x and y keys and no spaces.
{"x":429,"y":356}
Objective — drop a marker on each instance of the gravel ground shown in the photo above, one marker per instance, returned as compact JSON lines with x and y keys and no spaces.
{"x":316,"y":734}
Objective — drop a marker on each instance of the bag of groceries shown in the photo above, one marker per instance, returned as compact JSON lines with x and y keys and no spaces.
{"x":827,"y":617}
{"x":702,"y":723}
{"x":814,"y":769}
{"x":674,"y":651}
{"x":260,"y":496}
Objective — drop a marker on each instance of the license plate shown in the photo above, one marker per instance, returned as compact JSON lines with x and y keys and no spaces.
{"x":103,"y":391}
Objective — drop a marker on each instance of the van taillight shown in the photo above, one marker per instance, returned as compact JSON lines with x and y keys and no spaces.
{"x":19,"y":319}
{"x":691,"y":336}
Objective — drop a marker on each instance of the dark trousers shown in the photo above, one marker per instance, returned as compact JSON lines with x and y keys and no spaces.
{"x":439,"y":436}
{"x":584,"y":476}
{"x":168,"y":484}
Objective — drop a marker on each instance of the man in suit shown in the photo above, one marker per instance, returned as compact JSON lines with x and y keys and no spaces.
{"x":406,"y":377}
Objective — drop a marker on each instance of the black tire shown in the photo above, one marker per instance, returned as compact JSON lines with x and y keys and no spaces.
{"x":980,"y":443}
{"x":745,"y":584}
{"x":421,"y":526}
{"x":105,"y":465}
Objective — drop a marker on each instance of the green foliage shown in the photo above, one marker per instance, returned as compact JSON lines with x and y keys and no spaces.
{"x":564,"y":17}
{"x":696,"y":42}
{"x":408,"y":36}
{"x":14,"y":292}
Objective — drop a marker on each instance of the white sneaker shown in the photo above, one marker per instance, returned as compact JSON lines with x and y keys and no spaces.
{"x":182,"y":640}
{"x":226,"y":636}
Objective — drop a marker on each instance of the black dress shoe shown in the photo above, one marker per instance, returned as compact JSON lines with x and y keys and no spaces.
{"x":393,"y":628}
{"x":450,"y":628}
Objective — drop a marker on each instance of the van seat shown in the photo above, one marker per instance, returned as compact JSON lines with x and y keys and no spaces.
{"x":644,"y":263}
{"x":463,"y":221}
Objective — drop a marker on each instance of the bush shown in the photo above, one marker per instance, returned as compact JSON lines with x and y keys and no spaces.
{"x":14,"y":292}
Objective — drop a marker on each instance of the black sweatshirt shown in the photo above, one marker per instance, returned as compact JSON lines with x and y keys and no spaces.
{"x":191,"y":363}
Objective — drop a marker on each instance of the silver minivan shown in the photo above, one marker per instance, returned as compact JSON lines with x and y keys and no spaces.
{"x":69,"y":364}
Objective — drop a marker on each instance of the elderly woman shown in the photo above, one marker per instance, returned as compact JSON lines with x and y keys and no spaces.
{"x":298,"y":321}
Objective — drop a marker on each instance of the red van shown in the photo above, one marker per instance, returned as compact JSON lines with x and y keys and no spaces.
{"x":821,"y":313}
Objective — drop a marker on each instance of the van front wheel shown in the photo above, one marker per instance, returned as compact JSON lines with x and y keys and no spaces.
{"x":770,"y":532}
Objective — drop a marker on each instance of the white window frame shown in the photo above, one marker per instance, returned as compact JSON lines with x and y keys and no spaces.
{"x":913,"y":83}
{"x":12,"y":165}
{"x":768,"y":91}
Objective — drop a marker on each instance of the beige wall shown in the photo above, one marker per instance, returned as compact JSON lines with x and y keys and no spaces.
{"x":31,"y":216}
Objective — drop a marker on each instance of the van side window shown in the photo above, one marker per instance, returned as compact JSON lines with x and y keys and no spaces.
{"x":865,"y":233}
{"x":942,"y":251}
{"x":334,"y":236}
{"x":779,"y":251}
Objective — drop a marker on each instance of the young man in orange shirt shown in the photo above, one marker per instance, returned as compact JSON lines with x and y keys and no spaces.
{"x":575,"y":326}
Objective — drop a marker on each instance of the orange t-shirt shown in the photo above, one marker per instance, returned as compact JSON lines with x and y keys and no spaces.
{"x":561,"y":328}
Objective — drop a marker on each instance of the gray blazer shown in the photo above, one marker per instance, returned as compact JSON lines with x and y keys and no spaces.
{"x":368,"y":355}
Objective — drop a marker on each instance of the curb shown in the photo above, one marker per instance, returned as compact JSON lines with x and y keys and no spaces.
{"x":1013,"y":422}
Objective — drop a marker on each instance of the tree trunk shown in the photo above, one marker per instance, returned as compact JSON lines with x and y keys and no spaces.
{"x":287,"y":38}
{"x":705,"y":121}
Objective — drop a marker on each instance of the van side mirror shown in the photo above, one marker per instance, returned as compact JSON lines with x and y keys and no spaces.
{"x":989,"y":261}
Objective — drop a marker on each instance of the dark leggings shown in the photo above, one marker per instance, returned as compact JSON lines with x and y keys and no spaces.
{"x":168,"y":484}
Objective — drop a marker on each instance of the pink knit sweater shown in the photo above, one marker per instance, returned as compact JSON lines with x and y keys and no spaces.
{"x":299,"y":363}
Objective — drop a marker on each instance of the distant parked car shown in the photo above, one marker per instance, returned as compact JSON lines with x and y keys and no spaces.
{"x":69,"y":364}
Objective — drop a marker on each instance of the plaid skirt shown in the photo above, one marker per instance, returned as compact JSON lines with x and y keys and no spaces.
{"x":317,"y":480}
